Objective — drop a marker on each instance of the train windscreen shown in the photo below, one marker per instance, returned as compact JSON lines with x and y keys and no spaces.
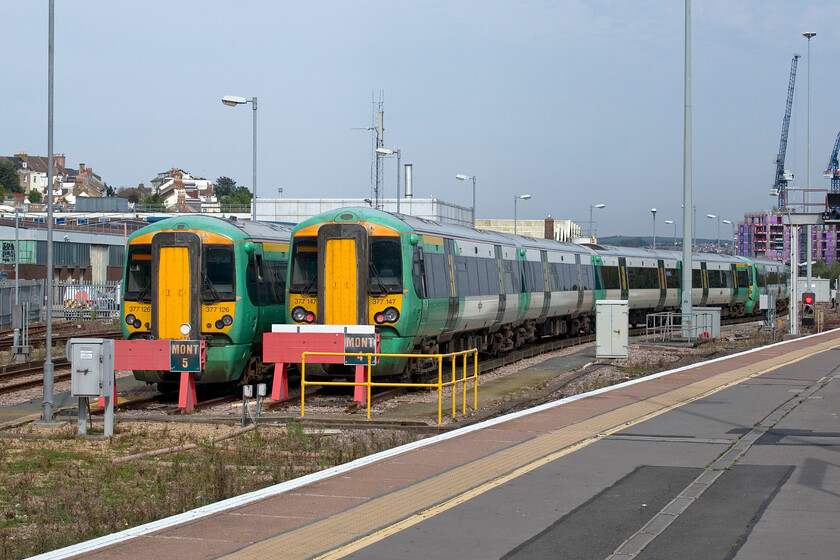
{"x":385,"y":266}
{"x":304,"y":265}
{"x":219,"y":279}
{"x":138,"y":286}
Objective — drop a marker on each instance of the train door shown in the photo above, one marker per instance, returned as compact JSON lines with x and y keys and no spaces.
{"x":176,"y":269}
{"x":663,"y":286}
{"x":343,"y":287}
{"x":622,"y":273}
{"x":704,"y":282}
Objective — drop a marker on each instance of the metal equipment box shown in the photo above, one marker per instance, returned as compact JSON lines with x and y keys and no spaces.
{"x":92,"y":366}
{"x":706,"y":321}
{"x":612,"y":328}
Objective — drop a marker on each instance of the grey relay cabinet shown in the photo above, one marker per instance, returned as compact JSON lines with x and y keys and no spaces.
{"x":611,"y":328}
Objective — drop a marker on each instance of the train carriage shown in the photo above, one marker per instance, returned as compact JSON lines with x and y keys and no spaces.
{"x":433,"y":288}
{"x":206,"y":278}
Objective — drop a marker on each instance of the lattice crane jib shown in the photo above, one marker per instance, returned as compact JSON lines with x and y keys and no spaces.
{"x":782,"y":178}
{"x":833,"y":169}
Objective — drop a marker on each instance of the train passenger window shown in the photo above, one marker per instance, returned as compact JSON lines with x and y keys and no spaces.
{"x":609,"y":276}
{"x":475,"y":277}
{"x":587,"y":276}
{"x":536,"y":276}
{"x":696,"y":279}
{"x":494,"y":287}
{"x":554,"y":284}
{"x":139,"y":275}
{"x":218,"y":274}
{"x":304,"y":263}
{"x":672,"y":278}
{"x":385,"y":266}
{"x":437,"y":275}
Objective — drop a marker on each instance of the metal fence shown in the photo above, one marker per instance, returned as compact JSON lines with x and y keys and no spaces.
{"x":86,"y":301}
{"x":669,"y":326}
{"x":29,"y":291}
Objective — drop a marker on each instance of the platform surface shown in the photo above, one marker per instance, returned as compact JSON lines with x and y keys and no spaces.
{"x":734,"y":458}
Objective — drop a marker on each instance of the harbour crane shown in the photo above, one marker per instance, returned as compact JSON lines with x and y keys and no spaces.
{"x":833,"y":170}
{"x":783,"y":176}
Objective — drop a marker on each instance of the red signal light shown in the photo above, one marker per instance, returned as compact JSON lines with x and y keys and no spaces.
{"x":808,"y":300}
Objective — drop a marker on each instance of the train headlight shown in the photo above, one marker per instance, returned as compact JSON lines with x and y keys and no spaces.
{"x":185,"y":329}
{"x":227,"y":320}
{"x":129,"y":319}
{"x":220,"y":325}
{"x":301,"y":315}
{"x":390,"y":315}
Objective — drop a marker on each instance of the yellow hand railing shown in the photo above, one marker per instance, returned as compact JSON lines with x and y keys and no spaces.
{"x":368,"y":384}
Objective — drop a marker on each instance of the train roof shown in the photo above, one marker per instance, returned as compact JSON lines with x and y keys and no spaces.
{"x":230,"y":227}
{"x":405,"y":223}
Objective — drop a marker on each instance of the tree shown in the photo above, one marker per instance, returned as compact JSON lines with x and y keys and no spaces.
{"x":241,"y":196}
{"x":153,"y":200}
{"x":224,"y":186}
{"x":133,"y":195}
{"x":9,"y":177}
{"x":35,"y":196}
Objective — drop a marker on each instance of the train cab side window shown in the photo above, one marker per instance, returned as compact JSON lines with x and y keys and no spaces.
{"x":741,"y":278}
{"x":218,"y":274}
{"x":418,"y":273}
{"x":385,"y":266}
{"x":252,"y":278}
{"x":139,"y":274}
{"x":303,"y":278}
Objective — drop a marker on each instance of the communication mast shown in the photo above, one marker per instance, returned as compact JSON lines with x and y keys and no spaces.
{"x":377,"y":129}
{"x":783,"y":176}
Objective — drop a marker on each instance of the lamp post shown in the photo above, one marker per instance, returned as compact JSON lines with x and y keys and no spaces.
{"x":808,"y":229}
{"x":382,"y":152}
{"x":461,"y":177}
{"x":718,"y":218}
{"x":725,"y":222}
{"x":653,"y":212}
{"x":675,"y":232}
{"x":232,"y":101}
{"x":515,"y":200}
{"x":591,"y":227}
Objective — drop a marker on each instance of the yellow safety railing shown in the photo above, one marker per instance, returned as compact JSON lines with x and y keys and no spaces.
{"x":455,"y":380}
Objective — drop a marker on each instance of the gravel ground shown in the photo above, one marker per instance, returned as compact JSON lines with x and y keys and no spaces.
{"x":643,"y":359}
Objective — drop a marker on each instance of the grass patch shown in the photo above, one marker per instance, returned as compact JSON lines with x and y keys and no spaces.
{"x":62,"y":490}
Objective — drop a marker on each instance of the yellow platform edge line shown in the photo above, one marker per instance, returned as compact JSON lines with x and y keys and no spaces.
{"x":515,"y":461}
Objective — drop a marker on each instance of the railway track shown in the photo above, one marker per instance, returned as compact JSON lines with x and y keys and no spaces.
{"x":38,"y":335}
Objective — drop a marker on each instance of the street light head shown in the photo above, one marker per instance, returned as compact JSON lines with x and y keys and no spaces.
{"x":669,"y":222}
{"x":809,"y":34}
{"x":462,"y":177}
{"x":525,"y":196}
{"x":600,"y":205}
{"x":712,"y":216}
{"x":653,"y":211}
{"x":726,"y":221}
{"x":384,"y":152}
{"x":233,"y":100}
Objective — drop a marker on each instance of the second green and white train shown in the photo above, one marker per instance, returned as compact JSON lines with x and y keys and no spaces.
{"x":433,"y":288}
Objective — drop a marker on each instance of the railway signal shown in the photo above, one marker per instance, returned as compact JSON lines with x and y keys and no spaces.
{"x":808,"y":302}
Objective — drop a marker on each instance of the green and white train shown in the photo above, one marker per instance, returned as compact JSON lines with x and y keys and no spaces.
{"x":432,"y":288}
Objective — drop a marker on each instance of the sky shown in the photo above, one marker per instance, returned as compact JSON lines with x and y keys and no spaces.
{"x":573,"y":102}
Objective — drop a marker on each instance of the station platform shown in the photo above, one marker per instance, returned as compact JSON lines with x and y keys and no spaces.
{"x":737,"y":457}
